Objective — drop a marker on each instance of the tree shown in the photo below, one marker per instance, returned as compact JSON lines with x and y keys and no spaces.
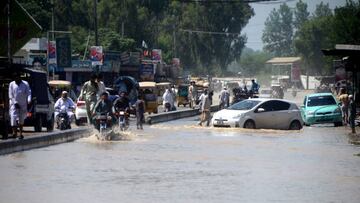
{"x":347,"y":23}
{"x":278,"y":32}
{"x":301,"y":14}
{"x":322,"y":10}
{"x":40,"y":10}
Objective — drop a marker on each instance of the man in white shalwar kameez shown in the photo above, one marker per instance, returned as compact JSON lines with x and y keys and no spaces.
{"x":20,"y":97}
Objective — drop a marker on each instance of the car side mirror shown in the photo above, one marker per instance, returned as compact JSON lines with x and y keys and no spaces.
{"x":260,"y":110}
{"x":302,"y":106}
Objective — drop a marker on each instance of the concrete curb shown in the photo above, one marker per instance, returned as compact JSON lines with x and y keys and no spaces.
{"x":173,"y":115}
{"x":43,"y":140}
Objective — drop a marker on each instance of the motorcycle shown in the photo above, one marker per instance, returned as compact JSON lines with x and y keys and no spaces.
{"x":123,"y":120}
{"x":104,"y":125}
{"x":63,"y":120}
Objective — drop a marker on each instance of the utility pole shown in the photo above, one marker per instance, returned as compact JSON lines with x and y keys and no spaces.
{"x":9,"y":33}
{"x":96,"y":30}
{"x":53,"y":19}
{"x":174,"y":41}
{"x":95,"y":24}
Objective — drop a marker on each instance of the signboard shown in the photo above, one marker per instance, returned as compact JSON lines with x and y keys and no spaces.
{"x":156,"y":55}
{"x":147,"y":72}
{"x":96,"y":55}
{"x":23,"y":27}
{"x":52,"y":52}
{"x":63,"y":52}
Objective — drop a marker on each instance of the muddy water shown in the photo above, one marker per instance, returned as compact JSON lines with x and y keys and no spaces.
{"x":180,"y":162}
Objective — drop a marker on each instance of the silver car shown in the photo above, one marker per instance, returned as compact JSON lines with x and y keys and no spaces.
{"x":260,"y":113}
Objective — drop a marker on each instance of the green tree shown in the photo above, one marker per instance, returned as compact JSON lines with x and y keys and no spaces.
{"x":40,"y":10}
{"x":301,"y":14}
{"x":347,"y":23}
{"x":278,"y":32}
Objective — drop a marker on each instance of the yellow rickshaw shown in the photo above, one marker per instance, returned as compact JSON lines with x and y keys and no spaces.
{"x":182,"y":95}
{"x":149,"y":95}
{"x":161,"y":87}
{"x":57,"y":86}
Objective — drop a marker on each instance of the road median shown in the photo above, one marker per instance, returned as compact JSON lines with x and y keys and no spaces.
{"x":43,"y":140}
{"x":174,"y":115}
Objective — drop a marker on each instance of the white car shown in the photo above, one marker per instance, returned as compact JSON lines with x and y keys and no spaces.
{"x":80,"y":112}
{"x":260,"y":113}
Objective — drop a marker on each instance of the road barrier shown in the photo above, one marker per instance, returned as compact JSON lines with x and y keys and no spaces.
{"x":43,"y":140}
{"x":173,"y":115}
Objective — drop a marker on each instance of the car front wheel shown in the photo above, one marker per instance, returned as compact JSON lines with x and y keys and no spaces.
{"x":295,"y":125}
{"x":250,"y":124}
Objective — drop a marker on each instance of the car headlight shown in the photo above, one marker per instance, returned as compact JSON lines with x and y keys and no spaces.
{"x":309,"y":113}
{"x":337,"y":110}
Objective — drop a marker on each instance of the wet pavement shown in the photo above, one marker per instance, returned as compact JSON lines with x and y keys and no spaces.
{"x":181,"y":162}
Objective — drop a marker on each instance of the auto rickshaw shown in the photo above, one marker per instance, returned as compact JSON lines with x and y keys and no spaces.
{"x":182,"y":95}
{"x":57,"y":86}
{"x":161,"y":87}
{"x":148,"y":91}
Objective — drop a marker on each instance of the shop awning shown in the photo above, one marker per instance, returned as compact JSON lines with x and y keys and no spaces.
{"x":283,"y":60}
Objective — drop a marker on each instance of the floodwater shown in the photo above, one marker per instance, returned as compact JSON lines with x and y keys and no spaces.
{"x":180,"y":162}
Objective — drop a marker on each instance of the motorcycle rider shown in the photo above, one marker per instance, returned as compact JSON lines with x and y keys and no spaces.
{"x":103,"y":107}
{"x":122,"y":104}
{"x":168,"y":100}
{"x":64,"y":102}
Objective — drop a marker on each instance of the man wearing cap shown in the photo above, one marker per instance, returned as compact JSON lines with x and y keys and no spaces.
{"x":20,"y":97}
{"x":66,"y":103}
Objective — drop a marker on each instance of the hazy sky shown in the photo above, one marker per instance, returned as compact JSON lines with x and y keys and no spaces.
{"x":255,"y":27}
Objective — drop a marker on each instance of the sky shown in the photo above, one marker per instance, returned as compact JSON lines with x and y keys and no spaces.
{"x":255,"y":27}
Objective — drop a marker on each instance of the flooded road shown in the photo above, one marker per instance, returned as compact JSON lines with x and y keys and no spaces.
{"x":180,"y":162}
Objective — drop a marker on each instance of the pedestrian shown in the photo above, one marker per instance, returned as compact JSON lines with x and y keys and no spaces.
{"x":224,"y":98}
{"x":344,"y":99}
{"x":205,"y":105}
{"x":19,"y":98}
{"x":101,"y":85}
{"x":192,"y":94}
{"x":352,"y":116}
{"x":168,"y":100}
{"x":89,"y":93}
{"x":140,"y":110}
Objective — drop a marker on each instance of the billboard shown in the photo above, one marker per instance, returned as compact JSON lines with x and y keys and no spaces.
{"x":52,"y":52}
{"x":63,"y":52}
{"x":156,"y":55}
{"x":147,"y":72}
{"x":96,"y":55}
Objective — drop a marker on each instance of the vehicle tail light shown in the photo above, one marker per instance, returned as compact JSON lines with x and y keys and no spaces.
{"x":29,"y":114}
{"x":80,"y":103}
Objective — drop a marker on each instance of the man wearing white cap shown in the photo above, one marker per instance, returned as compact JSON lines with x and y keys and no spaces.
{"x":64,"y":103}
{"x":20,"y":97}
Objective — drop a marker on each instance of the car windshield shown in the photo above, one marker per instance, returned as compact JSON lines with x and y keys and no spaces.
{"x":321,"y":101}
{"x":244,"y":105}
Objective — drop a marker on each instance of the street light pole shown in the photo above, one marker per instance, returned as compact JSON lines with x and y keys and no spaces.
{"x":9,"y":33}
{"x":95,"y":24}
{"x":96,"y":30}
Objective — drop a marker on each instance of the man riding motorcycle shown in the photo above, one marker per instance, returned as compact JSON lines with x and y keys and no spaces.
{"x":103,"y":107}
{"x":64,"y":103}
